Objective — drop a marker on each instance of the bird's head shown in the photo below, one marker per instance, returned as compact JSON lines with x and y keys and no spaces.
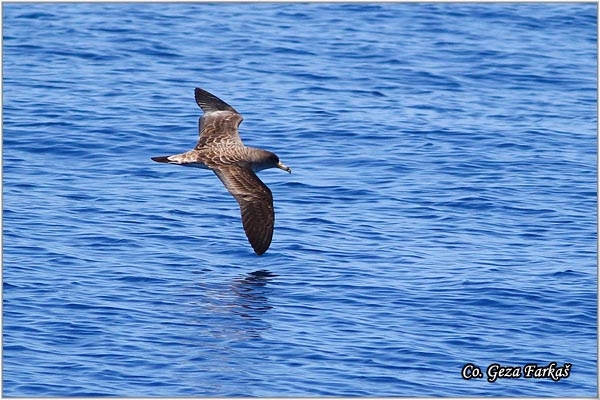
{"x":268,"y":159}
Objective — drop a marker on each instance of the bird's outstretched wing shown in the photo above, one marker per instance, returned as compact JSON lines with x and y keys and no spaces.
{"x":219,"y":123}
{"x":256,"y":204}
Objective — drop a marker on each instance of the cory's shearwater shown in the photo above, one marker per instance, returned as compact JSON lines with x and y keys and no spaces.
{"x":221,"y":150}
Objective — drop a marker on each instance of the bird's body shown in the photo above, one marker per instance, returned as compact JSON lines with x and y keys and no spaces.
{"x":221,"y":150}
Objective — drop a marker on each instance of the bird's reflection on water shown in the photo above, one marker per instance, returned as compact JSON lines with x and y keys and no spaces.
{"x":252,"y":292}
{"x":236,"y":308}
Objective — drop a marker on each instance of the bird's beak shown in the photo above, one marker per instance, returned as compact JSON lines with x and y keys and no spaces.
{"x":283,"y":167}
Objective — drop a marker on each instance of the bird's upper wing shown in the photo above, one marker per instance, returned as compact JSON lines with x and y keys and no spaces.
{"x":219,"y":123}
{"x":256,"y":204}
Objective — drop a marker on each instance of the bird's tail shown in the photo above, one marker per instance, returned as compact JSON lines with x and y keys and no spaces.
{"x":162,"y":159}
{"x":185,"y":159}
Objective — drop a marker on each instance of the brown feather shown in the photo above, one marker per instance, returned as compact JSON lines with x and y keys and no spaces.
{"x":220,"y":149}
{"x":219,"y":123}
{"x":256,"y":204}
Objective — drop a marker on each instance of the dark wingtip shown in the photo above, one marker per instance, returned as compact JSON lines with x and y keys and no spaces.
{"x":260,"y":252}
{"x":260,"y":247}
{"x":209,"y":102}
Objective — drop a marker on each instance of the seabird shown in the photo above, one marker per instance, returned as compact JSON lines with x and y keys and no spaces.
{"x":221,"y":150}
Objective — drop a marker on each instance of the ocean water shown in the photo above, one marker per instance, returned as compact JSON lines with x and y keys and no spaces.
{"x":441,"y":211}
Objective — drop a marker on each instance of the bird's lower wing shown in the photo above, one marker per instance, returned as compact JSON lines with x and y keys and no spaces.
{"x":256,"y":204}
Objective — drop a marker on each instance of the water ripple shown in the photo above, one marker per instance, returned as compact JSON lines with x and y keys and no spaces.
{"x":442,"y":209}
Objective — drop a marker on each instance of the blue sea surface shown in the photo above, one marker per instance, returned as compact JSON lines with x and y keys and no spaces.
{"x":441,"y":211}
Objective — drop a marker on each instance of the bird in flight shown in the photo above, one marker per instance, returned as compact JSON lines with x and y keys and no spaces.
{"x":221,"y":150}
